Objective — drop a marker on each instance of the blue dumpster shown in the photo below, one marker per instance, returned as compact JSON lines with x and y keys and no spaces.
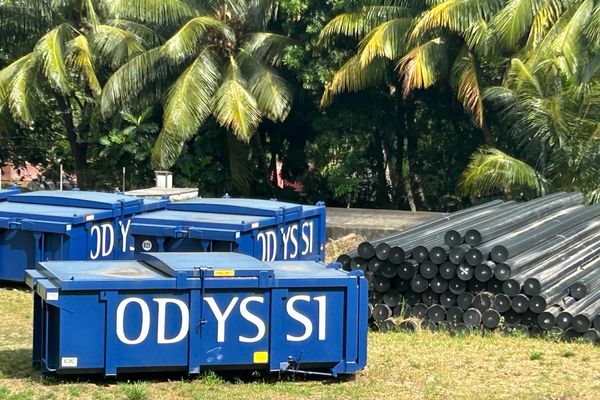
{"x":4,"y":193}
{"x":70,"y":225}
{"x":191,"y":312}
{"x":265,"y":229}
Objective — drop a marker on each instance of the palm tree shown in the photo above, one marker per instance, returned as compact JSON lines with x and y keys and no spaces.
{"x":64,"y":71}
{"x":217,"y":60}
{"x":428,"y":42}
{"x":467,"y":43}
{"x":550,"y":102}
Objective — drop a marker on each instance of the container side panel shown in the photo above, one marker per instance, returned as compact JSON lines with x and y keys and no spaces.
{"x":236,"y":331}
{"x":148,"y":329}
{"x":297,"y":240}
{"x":313,"y":326}
{"x":17,"y":252}
{"x":82,"y":324}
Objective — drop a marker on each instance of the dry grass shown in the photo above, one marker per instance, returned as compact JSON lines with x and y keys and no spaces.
{"x":342,"y":245}
{"x":421,"y":365}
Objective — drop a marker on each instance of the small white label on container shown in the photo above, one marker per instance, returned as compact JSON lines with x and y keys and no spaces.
{"x":52,"y":296}
{"x":68,"y":228}
{"x":255,"y":225}
{"x":68,"y":362}
{"x":89,"y":217}
{"x":237,"y":235}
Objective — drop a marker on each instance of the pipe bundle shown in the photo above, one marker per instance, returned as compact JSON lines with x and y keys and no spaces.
{"x":532,"y":266}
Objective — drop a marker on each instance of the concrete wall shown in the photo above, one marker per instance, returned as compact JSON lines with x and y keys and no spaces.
{"x":372,"y":223}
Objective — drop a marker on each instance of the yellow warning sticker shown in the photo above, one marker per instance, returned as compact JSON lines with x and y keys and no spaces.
{"x":224,"y":272}
{"x":261,"y":357}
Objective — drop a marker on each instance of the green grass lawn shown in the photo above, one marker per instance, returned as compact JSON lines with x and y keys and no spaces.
{"x":420,"y":365}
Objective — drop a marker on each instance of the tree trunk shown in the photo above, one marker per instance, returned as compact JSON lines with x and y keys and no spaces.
{"x":261,"y":160}
{"x":387,"y":159}
{"x":415,"y":180}
{"x":381,"y":190}
{"x":487,"y":135}
{"x":410,"y":198}
{"x":78,"y":148}
{"x":398,"y":166}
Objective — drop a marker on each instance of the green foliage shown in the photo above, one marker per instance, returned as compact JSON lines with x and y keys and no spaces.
{"x":382,"y":103}
{"x":135,"y":391}
{"x":199,"y":68}
{"x":128,"y":146}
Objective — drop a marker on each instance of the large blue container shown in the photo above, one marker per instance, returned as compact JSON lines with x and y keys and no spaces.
{"x":4,"y":193}
{"x":69,"y":225}
{"x":191,"y":312}
{"x":265,"y":229}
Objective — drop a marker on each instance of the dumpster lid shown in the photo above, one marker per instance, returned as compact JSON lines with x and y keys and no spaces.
{"x":42,"y":212}
{"x":216,"y":264}
{"x":266,"y":208}
{"x":205,"y":220}
{"x":76,"y":198}
{"x":4,"y":193}
{"x":154,"y":270}
{"x":154,"y":204}
{"x":106,"y":274}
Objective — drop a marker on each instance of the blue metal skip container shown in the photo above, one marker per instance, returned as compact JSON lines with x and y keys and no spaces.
{"x":266,"y":229}
{"x":4,"y":193}
{"x":68,"y":225}
{"x":191,"y":312}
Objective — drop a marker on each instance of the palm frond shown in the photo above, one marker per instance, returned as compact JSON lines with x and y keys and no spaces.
{"x":19,"y":20}
{"x":358,"y":23}
{"x":267,"y":47}
{"x":185,"y":43}
{"x":261,"y":12}
{"x":386,"y":40}
{"x":514,"y":21}
{"x":79,"y":57}
{"x":350,"y":77}
{"x":142,"y":71}
{"x":593,"y":29}
{"x":7,"y":75}
{"x":115,"y":46}
{"x":464,"y":77}
{"x":88,"y":10}
{"x":21,"y":100}
{"x":521,"y":78}
{"x":234,"y":106}
{"x":149,"y":37}
{"x":186,"y":107}
{"x":272,"y":93}
{"x":159,"y":12}
{"x":424,"y":65}
{"x":49,"y":53}
{"x":456,"y":15}
{"x":480,"y":38}
{"x":544,"y":19}
{"x":490,"y":170}
{"x":568,"y":43}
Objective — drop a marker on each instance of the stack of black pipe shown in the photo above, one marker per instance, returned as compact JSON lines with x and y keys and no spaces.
{"x":532,"y":266}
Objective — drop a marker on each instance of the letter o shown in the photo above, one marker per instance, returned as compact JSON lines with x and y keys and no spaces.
{"x":145,"y":329}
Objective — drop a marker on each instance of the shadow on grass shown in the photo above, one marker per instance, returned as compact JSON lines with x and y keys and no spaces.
{"x":15,"y":286}
{"x":16,"y":364}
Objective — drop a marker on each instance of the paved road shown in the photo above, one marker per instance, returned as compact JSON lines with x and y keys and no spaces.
{"x":372,"y":223}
